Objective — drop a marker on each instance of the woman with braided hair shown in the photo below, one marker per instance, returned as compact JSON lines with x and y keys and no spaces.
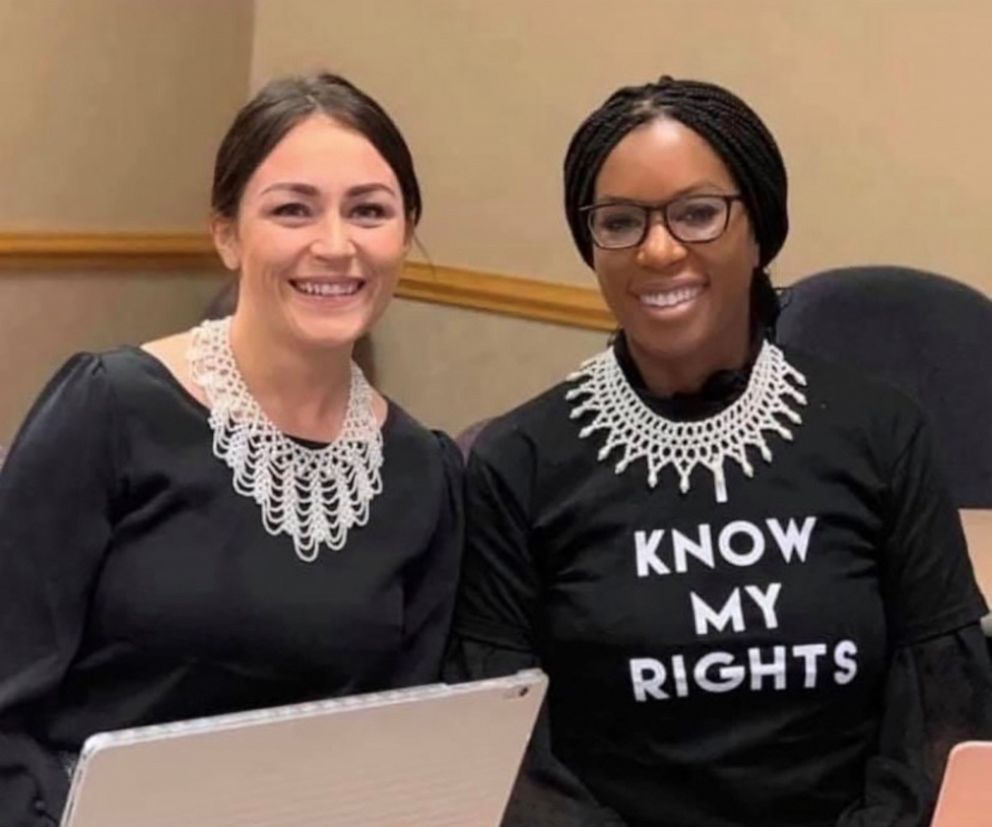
{"x":737,"y":563}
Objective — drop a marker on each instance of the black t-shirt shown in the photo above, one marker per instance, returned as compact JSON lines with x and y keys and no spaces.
{"x":717,"y":664}
{"x":137,"y":587}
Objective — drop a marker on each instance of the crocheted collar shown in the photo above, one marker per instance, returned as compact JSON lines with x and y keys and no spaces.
{"x":718,"y":391}
{"x":735,"y":412}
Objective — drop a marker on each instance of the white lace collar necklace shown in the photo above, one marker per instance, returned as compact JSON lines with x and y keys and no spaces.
{"x":639,"y":433}
{"x":315,"y":495}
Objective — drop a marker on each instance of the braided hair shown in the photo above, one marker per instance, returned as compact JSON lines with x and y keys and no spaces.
{"x":728,"y":125}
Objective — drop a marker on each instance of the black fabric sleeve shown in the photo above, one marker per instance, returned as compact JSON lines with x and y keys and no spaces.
{"x":430,"y":590}
{"x":938,"y":693}
{"x":500,"y":590}
{"x":546,"y":792}
{"x":56,"y":498}
{"x":928,"y":584}
{"x":498,"y":622}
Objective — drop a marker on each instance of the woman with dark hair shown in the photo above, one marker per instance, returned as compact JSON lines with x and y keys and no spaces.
{"x":737,"y":563}
{"x":232,"y":517}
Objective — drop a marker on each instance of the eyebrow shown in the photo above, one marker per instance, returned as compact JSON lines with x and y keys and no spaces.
{"x":312,"y":192}
{"x":701,"y":188}
{"x":365,"y":189}
{"x":299,"y":189}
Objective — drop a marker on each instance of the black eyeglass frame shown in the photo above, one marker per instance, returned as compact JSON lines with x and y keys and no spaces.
{"x":660,"y":208}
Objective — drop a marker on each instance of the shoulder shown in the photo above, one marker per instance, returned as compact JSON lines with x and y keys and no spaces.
{"x":409,"y":443}
{"x":851,"y":387}
{"x":113,"y":389}
{"x":531,"y":448}
{"x":843,"y":396}
{"x":91,"y":379}
{"x":74,"y":416}
{"x":423,"y":478}
{"x":79,"y":384}
{"x":536,"y":422}
{"x":171,"y":352}
{"x":139,"y":377}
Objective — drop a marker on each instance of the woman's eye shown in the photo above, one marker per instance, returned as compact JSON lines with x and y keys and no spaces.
{"x":371,"y":213}
{"x":620,"y":223}
{"x":293,"y":210}
{"x":697,"y":214}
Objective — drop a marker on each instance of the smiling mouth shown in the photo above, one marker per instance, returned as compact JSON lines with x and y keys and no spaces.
{"x":328,"y":288}
{"x":671,"y":298}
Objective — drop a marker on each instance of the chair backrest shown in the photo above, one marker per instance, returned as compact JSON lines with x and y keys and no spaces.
{"x":927,"y":334}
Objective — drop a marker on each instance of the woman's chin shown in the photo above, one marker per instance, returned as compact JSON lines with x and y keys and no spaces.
{"x":329,"y":333}
{"x":669,"y":341}
{"x":330,"y":322}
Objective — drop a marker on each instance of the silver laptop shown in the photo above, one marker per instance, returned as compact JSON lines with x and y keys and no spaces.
{"x":436,"y":755}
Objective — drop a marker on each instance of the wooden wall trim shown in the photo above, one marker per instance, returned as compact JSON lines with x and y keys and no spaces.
{"x":106,"y":251}
{"x":509,"y":295}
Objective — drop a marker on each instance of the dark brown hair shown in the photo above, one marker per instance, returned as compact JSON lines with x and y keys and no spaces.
{"x":283,"y":103}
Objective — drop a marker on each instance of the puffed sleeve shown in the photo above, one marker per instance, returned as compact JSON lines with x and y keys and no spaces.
{"x":58,"y":488}
{"x":928,"y":584}
{"x":939,"y":684}
{"x":938,"y":693}
{"x":430,"y":589}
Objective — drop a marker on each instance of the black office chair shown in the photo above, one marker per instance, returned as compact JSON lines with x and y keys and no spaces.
{"x":927,"y":334}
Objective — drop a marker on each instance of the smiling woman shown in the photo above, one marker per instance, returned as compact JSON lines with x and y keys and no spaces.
{"x":819,"y":687}
{"x":318,"y":229}
{"x":232,"y":517}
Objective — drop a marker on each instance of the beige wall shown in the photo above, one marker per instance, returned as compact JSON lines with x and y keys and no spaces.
{"x":452,"y":367}
{"x":112,"y":110}
{"x":46,"y":317}
{"x":881,"y":108}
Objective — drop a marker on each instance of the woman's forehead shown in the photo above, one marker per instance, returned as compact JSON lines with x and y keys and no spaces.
{"x":324,"y":153}
{"x":661,"y":159}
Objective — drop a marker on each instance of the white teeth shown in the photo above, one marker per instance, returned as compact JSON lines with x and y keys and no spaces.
{"x":670,"y":298}
{"x":324,"y":288}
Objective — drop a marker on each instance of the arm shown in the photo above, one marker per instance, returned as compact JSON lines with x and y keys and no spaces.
{"x":939,"y":686}
{"x":938,"y":693}
{"x":55,"y":502}
{"x":498,"y":623}
{"x":430,"y":589}
{"x":546,"y":792}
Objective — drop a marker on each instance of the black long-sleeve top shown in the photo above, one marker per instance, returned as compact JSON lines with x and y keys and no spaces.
{"x":137,"y":587}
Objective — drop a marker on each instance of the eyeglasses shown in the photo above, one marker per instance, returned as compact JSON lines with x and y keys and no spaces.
{"x":691,"y":219}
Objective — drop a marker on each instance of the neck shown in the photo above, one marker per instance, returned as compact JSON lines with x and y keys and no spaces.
{"x":303,"y":391}
{"x":667,"y":374}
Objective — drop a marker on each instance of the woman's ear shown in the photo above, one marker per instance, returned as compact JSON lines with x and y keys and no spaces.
{"x":225,"y":235}
{"x":755,"y":251}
